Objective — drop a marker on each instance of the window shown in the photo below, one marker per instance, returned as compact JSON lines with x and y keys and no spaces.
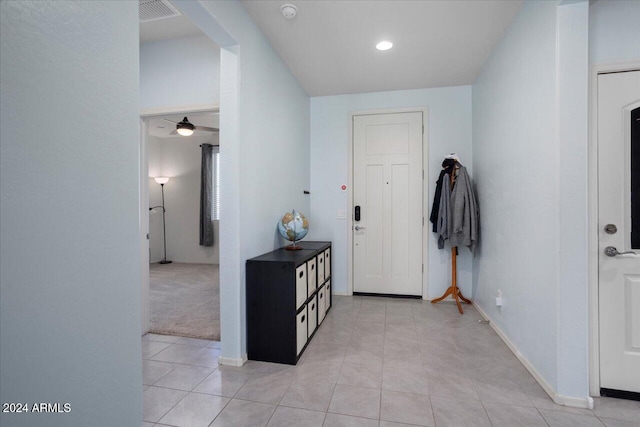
{"x":215,"y":185}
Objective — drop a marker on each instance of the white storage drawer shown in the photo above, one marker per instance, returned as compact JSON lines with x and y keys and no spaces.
{"x":311,"y":276}
{"x":301,"y":330}
{"x":321,"y":310}
{"x":327,"y":263}
{"x":312,"y":310}
{"x":327,"y":296}
{"x":320,"y":269}
{"x":301,"y":285}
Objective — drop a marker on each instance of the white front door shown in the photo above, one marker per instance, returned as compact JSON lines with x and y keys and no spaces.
{"x":387,"y":192}
{"x":619,"y":227}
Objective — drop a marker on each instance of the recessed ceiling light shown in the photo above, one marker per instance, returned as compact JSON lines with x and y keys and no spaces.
{"x":384,"y":45}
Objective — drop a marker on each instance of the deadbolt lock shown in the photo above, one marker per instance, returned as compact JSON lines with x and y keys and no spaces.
{"x":610,"y":229}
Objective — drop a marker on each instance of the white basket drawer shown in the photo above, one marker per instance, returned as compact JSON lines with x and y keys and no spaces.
{"x":301,"y":285}
{"x":301,"y":330}
{"x":312,"y":277}
{"x":327,"y":263}
{"x":320,"y":269}
{"x":321,"y":310}
{"x":312,"y":310}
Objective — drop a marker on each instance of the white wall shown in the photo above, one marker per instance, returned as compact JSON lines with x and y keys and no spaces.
{"x":69,"y":216}
{"x":180,"y":160}
{"x":614,"y":31}
{"x":530,"y":156}
{"x":264,"y":139}
{"x":179,"y":72}
{"x":572,"y":74}
{"x":449,"y":130}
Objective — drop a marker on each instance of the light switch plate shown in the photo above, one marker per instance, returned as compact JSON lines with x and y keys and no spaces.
{"x":342,"y":214}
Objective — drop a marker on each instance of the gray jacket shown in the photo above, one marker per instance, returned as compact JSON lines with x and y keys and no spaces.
{"x":444,"y":212}
{"x":465,"y":216}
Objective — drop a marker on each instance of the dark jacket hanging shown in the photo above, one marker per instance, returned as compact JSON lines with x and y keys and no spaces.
{"x":447,"y":168}
{"x":444,"y":214}
{"x":436,"y":202}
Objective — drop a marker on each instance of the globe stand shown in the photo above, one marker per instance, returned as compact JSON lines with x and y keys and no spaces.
{"x":293,"y":247}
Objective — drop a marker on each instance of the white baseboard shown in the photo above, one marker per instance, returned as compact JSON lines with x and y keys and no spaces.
{"x":574,"y":402}
{"x":230,"y":361}
{"x":341,"y":294}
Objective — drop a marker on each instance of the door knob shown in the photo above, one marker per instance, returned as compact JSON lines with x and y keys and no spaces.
{"x":612,"y":251}
{"x":358,"y":228}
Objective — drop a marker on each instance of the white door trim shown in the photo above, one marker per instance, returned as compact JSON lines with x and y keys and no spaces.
{"x":143,"y":221}
{"x":145,"y":115}
{"x":594,"y":339}
{"x":425,"y":187}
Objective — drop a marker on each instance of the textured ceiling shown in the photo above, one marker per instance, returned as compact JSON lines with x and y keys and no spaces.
{"x":330,"y":45}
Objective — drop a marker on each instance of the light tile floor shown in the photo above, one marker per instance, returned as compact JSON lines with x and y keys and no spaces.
{"x":375,"y":362}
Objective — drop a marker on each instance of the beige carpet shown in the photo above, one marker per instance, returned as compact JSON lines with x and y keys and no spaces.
{"x":184,"y":300}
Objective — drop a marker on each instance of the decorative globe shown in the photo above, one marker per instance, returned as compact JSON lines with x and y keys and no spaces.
{"x":293,"y":226}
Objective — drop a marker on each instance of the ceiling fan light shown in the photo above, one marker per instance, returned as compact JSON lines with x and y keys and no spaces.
{"x":185,"y":131}
{"x":185,"y":127}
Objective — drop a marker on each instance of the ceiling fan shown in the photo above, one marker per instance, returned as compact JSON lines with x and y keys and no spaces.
{"x":186,"y":128}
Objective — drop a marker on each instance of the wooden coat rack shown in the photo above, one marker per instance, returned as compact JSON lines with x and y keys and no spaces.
{"x":453,"y":289}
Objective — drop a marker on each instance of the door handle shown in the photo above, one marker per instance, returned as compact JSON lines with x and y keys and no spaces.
{"x":612,"y":251}
{"x":358,"y":228}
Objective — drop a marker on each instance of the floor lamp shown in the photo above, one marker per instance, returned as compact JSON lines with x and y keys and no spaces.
{"x":162,"y":180}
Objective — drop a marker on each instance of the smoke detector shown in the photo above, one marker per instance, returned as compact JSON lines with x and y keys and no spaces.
{"x":289,"y":11}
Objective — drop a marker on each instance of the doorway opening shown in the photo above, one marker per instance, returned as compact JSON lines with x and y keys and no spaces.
{"x":184,"y":214}
{"x":182,"y":71}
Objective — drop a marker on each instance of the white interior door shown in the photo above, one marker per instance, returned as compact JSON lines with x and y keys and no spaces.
{"x":387,"y":190}
{"x":619,"y":227}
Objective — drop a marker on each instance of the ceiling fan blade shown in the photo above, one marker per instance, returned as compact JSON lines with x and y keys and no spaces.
{"x":175,"y":132}
{"x":207,"y":129}
{"x":167,"y":120}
